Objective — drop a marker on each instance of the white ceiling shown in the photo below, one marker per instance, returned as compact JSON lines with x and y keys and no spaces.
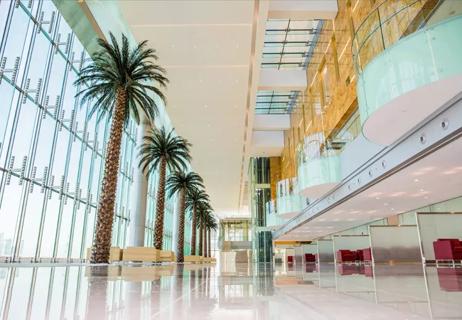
{"x":206,"y":47}
{"x":435,"y":178}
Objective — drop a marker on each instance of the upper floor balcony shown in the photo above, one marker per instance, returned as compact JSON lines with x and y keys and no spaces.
{"x":318,"y":166}
{"x":288,"y":201}
{"x":407,"y":55}
{"x":273,"y":219}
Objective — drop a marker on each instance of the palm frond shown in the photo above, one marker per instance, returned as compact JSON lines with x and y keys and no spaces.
{"x":117,"y":66}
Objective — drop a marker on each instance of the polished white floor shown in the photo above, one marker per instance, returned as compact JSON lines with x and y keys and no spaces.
{"x":230,"y":292}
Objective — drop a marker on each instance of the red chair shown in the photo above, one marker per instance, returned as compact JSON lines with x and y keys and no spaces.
{"x":447,"y":249}
{"x":367,"y":254}
{"x":346,"y":256}
{"x":290,"y":259}
{"x":450,"y":279}
{"x":309,"y":257}
{"x":348,"y":269}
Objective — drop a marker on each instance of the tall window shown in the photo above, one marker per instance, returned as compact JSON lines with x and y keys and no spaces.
{"x":51,"y":153}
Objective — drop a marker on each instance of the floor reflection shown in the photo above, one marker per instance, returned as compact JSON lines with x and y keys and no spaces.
{"x":242,"y":291}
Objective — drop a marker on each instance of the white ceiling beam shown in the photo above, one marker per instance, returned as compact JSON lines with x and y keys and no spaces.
{"x":267,"y":143}
{"x":302,"y":9}
{"x":271,"y":122}
{"x":282,"y":80}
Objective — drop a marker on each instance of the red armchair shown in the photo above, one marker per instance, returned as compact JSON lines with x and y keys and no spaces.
{"x":309,"y":257}
{"x":346,"y":256}
{"x":367,"y":254}
{"x":448,"y":249}
{"x":290,"y":259}
{"x":359,"y":255}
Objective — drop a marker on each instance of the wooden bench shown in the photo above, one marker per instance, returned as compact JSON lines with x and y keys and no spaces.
{"x":167,"y":256}
{"x":115,"y":254}
{"x":193,"y":259}
{"x":142,"y":254}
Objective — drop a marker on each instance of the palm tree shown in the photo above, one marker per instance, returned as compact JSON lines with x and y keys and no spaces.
{"x":163,"y":150}
{"x":203,"y":211}
{"x":119,"y":82}
{"x":211,"y":225}
{"x":207,"y":221}
{"x":194,"y":200}
{"x":183,"y":184}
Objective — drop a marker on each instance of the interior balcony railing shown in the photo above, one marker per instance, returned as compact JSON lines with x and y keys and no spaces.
{"x":318,"y":166}
{"x":390,"y":21}
{"x":289,"y":202}
{"x":273,"y":219}
{"x":408,"y":63}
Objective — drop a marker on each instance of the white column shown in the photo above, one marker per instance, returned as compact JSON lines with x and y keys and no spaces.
{"x":139,"y":193}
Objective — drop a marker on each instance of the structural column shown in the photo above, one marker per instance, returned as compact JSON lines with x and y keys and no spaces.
{"x":139,"y":194}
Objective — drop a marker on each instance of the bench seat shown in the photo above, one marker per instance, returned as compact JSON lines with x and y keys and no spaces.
{"x":142,"y":254}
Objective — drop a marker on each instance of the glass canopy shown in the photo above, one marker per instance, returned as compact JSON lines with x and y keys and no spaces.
{"x":275,"y":102}
{"x":289,"y":43}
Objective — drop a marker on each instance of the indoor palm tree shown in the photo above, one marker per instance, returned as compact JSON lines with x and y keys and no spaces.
{"x":202,"y":213}
{"x":194,"y":200}
{"x":163,"y":150}
{"x":207,"y":221}
{"x":183,"y":184}
{"x":211,"y":225}
{"x":119,"y":83}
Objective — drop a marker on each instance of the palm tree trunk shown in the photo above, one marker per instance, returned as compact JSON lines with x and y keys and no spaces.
{"x":103,"y":231}
{"x":205,"y":243}
{"x":160,"y":206}
{"x":201,"y":243}
{"x":209,"y":243}
{"x":180,"y":244}
{"x":193,"y":231}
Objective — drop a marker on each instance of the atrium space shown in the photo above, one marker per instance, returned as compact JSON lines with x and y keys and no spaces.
{"x":230,"y":159}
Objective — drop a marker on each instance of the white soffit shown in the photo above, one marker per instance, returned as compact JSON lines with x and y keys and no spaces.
{"x":302,"y":9}
{"x":271,"y":122}
{"x":267,"y":143}
{"x":282,"y":80}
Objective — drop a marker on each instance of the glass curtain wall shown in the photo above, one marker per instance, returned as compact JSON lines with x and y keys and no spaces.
{"x":51,"y":153}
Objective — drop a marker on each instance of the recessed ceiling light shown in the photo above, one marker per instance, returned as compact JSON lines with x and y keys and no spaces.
{"x":416,"y":180}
